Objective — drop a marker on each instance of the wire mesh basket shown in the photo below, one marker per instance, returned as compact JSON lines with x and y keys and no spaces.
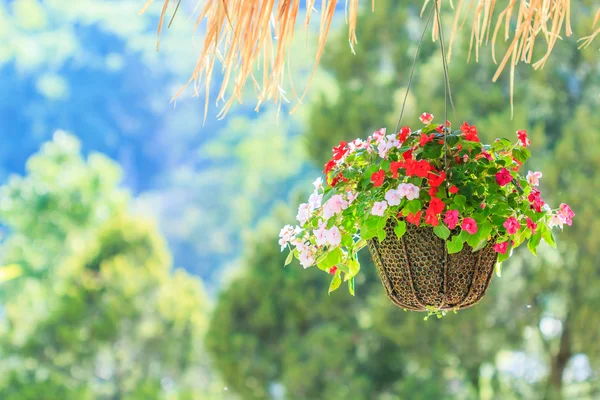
{"x":418,"y":273}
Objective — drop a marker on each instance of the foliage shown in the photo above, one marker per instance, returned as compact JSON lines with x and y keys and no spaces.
{"x":401,"y":176}
{"x":98,"y":312}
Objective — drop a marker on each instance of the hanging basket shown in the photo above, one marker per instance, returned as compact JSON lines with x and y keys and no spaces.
{"x":418,"y":273}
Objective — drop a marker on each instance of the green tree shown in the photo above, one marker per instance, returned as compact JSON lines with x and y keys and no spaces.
{"x":254,"y":337}
{"x":99,"y":313}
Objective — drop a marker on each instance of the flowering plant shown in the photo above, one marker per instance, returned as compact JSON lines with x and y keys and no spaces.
{"x":466,"y":191}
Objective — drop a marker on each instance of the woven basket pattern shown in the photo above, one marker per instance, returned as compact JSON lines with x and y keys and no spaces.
{"x":417,"y":272}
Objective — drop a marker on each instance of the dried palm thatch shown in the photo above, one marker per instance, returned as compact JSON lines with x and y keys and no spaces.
{"x":251,"y":38}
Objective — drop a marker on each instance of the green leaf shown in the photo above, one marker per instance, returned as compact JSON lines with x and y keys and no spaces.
{"x":473,"y":240}
{"x":351,"y":286}
{"x":442,"y":231}
{"x":432,"y":150}
{"x":381,"y":235}
{"x":336,"y":281}
{"x":353,"y":267}
{"x":460,"y":201}
{"x":534,"y":242}
{"x":521,"y":154}
{"x":498,"y":269}
{"x":333,"y":257}
{"x":400,"y":229}
{"x":480,"y":246}
{"x":502,"y":257}
{"x":413,"y":206}
{"x":452,"y":140}
{"x":455,"y":245}
{"x":347,"y":240}
{"x":289,"y":258}
{"x":548,"y":237}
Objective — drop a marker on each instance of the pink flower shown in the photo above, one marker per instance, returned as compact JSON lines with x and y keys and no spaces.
{"x":531,"y":225}
{"x":333,"y":236}
{"x":566,"y":213}
{"x":511,"y":225}
{"x":501,"y":247}
{"x":379,"y":135}
{"x":409,"y":191}
{"x":304,"y":213}
{"x":285,"y":235}
{"x":320,"y":234}
{"x":451,"y":218}
{"x":379,"y":208}
{"x":556,"y":220}
{"x":503,"y":177}
{"x":469,"y":225}
{"x":307,"y":256}
{"x":426,"y":118}
{"x":393,"y":197}
{"x":536,"y":200}
{"x":334,"y":206}
{"x":534,"y":178}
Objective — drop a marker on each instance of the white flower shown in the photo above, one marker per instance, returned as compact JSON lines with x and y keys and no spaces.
{"x":303,"y":213}
{"x":379,"y":135}
{"x":379,"y":208}
{"x":556,"y":220}
{"x":546,"y":208}
{"x":318,"y":183}
{"x":409,"y":191}
{"x":307,"y":257}
{"x":534,"y":178}
{"x":351,"y":196}
{"x":393,"y":197}
{"x":320,"y":235}
{"x":285,"y":235}
{"x":315,"y":200}
{"x":334,"y":205}
{"x":333,"y":236}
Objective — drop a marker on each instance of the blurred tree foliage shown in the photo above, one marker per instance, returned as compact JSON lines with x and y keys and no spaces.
{"x":534,"y":336}
{"x":99,"y":313}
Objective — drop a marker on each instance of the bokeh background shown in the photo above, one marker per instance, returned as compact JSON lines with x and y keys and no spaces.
{"x":139,"y":245}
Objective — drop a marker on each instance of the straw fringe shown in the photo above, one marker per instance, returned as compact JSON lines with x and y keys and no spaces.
{"x":246,"y":36}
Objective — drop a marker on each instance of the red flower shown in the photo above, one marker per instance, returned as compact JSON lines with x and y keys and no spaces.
{"x":453,"y":190}
{"x":451,"y":218}
{"x":470,"y":132}
{"x":431,"y":219}
{"x":440,"y":128}
{"x":436,"y":206}
{"x":503,"y":177}
{"x":329,"y":166}
{"x":407,"y":155}
{"x":531,"y":225}
{"x":487,"y":155}
{"x":340,"y":151}
{"x":419,"y":168}
{"x":414,"y":219}
{"x":522,"y":135}
{"x":501,"y":247}
{"x":425,"y":139}
{"x":339,"y":178}
{"x":426,"y":118}
{"x":536,"y":200}
{"x":469,"y":225}
{"x":432,"y":191}
{"x":377,"y":178}
{"x":436,"y":180}
{"x":332,"y":270}
{"x":404,"y":133}
{"x":394,"y":166}
{"x":511,"y":225}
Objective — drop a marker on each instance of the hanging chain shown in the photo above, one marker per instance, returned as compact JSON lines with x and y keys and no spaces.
{"x":435,"y":8}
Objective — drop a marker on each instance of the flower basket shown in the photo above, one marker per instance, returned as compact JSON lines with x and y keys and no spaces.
{"x":418,"y":274}
{"x":438,"y":210}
